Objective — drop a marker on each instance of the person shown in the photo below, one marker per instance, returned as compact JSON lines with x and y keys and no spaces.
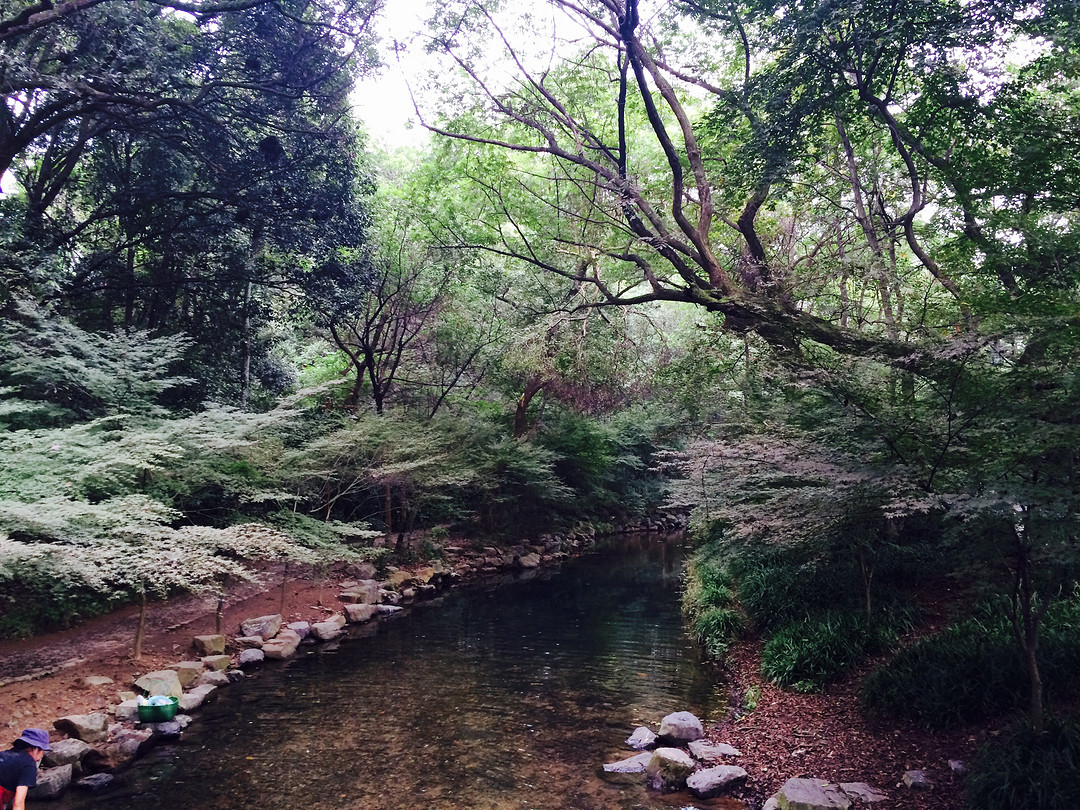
{"x":18,"y":767}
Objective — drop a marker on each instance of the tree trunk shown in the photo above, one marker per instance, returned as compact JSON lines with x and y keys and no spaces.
{"x":521,"y":422}
{"x":140,"y":630}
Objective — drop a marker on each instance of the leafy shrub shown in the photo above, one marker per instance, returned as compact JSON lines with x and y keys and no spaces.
{"x":715,"y":627}
{"x":1020,"y":769}
{"x":817,"y":650}
{"x":973,"y":670}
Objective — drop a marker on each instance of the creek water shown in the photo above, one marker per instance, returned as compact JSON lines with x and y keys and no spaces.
{"x":505,"y":695}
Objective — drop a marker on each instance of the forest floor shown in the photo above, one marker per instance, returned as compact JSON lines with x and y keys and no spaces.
{"x":786,"y":734}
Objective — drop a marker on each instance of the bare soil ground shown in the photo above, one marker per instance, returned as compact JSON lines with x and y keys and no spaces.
{"x":787,"y":734}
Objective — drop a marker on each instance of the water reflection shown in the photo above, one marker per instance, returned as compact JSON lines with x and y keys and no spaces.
{"x":506,"y":696}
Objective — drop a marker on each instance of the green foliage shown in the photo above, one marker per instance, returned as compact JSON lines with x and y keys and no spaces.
{"x":1022,"y":769}
{"x":819,"y":649}
{"x":973,"y":670}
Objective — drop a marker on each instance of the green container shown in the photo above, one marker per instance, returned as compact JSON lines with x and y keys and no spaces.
{"x":159,"y":714}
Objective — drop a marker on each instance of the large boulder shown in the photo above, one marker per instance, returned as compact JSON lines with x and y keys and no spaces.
{"x":127,"y":711}
{"x":680,"y":728}
{"x":302,"y":629}
{"x":531,"y":560}
{"x":712,"y":782}
{"x":121,"y":750}
{"x":209,"y":645}
{"x":188,"y":672}
{"x":266,"y":627}
{"x":162,"y":682}
{"x":65,"y":752}
{"x":668,"y":768}
{"x":214,"y":678}
{"x":363,"y":593}
{"x":641,"y":739}
{"x":326,"y":631}
{"x":194,"y":698}
{"x":863,"y":792}
{"x":246,"y":642}
{"x":251,"y":658}
{"x":86,"y":727}
{"x":95,"y":783}
{"x":917,"y":780}
{"x":51,"y":783}
{"x":811,"y":794}
{"x":282,"y":646}
{"x":357,"y":614}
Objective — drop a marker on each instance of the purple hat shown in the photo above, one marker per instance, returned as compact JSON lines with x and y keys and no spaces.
{"x":36,"y":738}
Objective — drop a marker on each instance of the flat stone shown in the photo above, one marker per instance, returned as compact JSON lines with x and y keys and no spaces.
{"x":216,"y":663}
{"x":251,"y":658}
{"x":209,"y":645}
{"x":709,"y":783}
{"x":166,"y":731}
{"x":266,"y":627}
{"x":364,"y":593}
{"x":326,"y":631}
{"x":65,"y":752}
{"x":196,"y":697}
{"x":337,"y":618}
{"x":86,"y":727}
{"x":641,"y":739}
{"x":95,"y":783}
{"x":529,"y":560}
{"x":302,"y":629}
{"x":283,"y":646}
{"x":188,"y":672}
{"x":389,"y":610}
{"x":98,"y":680}
{"x":235,"y":675}
{"x":162,"y":682}
{"x":214,"y":678}
{"x":635,"y":764}
{"x":811,"y":794}
{"x":357,"y":614}
{"x":51,"y":783}
{"x":957,"y":766}
{"x":918,"y":780}
{"x":127,"y":711}
{"x":423,"y":575}
{"x":680,"y":728}
{"x":711,"y":752}
{"x":245,"y":642}
{"x":863,"y":792}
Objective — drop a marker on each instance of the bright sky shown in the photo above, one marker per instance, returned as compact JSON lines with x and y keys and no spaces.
{"x":382,"y":102}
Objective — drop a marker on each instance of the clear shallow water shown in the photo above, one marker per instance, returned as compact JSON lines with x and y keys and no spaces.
{"x":509,"y":696}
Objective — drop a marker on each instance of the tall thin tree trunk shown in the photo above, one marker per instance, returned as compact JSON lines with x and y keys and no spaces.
{"x":140,"y":630}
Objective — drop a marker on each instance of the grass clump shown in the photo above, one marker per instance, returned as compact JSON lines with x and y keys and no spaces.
{"x":973,"y":670}
{"x":1022,"y":770}
{"x":816,"y":650}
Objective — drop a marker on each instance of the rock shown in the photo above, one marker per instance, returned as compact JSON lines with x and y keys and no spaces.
{"x":680,"y":728}
{"x":302,"y":629}
{"x":529,"y":560}
{"x":811,"y":794}
{"x":957,"y":766}
{"x":188,"y":672}
{"x":184,"y":720}
{"x":166,"y":731}
{"x":51,"y":783}
{"x":365,"y":593}
{"x":95,"y":783}
{"x":283,"y":646}
{"x":712,"y":782}
{"x":121,"y":751}
{"x":389,"y":597}
{"x":408,"y":594}
{"x":635,"y":764}
{"x":65,"y":752}
{"x":641,"y":739}
{"x":326,"y":631}
{"x":266,"y":627}
{"x":97,"y":680}
{"x":397,"y":579}
{"x":214,"y":678}
{"x":196,"y":697}
{"x":772,"y":804}
{"x":209,"y":645}
{"x":424,"y":575}
{"x":247,"y":642}
{"x":918,"y":780}
{"x":235,"y":675}
{"x":389,"y":610}
{"x":251,"y":658}
{"x":127,"y":711}
{"x":162,"y":682}
{"x":863,"y":792}
{"x":86,"y":727}
{"x":711,"y":752}
{"x":216,"y":663}
{"x":668,"y":768}
{"x":338,"y":619}
{"x":360,"y":613}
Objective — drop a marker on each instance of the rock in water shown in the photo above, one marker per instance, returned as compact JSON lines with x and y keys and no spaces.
{"x":680,"y":728}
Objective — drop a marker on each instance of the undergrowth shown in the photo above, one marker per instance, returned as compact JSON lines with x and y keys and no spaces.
{"x":1022,"y":770}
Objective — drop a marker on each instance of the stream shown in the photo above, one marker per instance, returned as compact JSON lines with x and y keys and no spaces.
{"x":510,"y":694}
